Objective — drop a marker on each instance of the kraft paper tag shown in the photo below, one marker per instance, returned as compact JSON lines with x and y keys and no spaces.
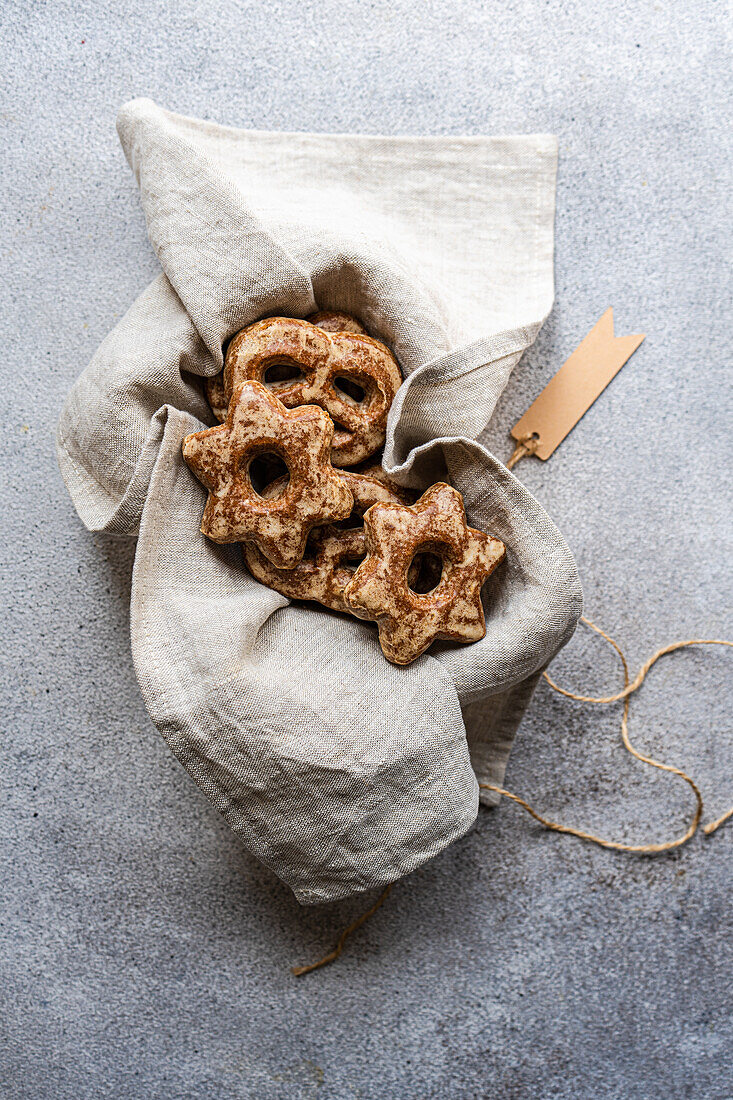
{"x":572,"y":391}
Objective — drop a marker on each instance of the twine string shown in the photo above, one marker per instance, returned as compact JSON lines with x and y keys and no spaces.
{"x":333,"y":955}
{"x":629,"y":688}
{"x":527,"y":445}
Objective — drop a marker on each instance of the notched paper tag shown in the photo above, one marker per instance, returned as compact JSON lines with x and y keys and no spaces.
{"x":572,"y":391}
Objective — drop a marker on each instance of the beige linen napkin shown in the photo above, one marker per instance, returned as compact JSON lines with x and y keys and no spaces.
{"x":338,"y":770}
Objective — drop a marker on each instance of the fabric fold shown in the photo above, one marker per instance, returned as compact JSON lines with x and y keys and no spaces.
{"x":222,"y":262}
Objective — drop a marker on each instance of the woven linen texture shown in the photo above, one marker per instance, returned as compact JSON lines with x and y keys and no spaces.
{"x":338,"y":770}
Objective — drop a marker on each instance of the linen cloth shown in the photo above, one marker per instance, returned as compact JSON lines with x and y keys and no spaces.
{"x":338,"y":770}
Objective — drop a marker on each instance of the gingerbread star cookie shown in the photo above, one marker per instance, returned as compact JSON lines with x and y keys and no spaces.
{"x":410,"y":621}
{"x":332,"y":552}
{"x":258,"y":424}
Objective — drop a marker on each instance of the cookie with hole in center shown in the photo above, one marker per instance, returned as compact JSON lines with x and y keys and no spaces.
{"x":331,"y":320}
{"x":258,"y":424}
{"x":332,"y":552}
{"x":409,"y":621}
{"x":350,"y":375}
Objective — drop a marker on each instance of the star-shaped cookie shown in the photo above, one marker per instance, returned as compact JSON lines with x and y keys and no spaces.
{"x":408,"y":620}
{"x":332,"y":552}
{"x":258,"y":423}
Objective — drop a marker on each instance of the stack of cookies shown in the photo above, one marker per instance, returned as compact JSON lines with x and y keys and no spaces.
{"x":293,"y":474}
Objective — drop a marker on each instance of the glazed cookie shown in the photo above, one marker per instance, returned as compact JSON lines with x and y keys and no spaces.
{"x":410,"y":621}
{"x":258,"y":424}
{"x":330,"y":320}
{"x":333,"y":320}
{"x":216,"y":397}
{"x":351,"y":376}
{"x":332,"y":552}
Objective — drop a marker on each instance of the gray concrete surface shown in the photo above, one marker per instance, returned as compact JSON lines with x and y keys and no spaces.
{"x":143,"y":952}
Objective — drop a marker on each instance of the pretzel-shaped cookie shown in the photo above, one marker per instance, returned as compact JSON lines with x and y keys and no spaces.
{"x":410,"y":621}
{"x":221,"y":458}
{"x":333,"y":320}
{"x":332,"y":552}
{"x":330,"y":320}
{"x":351,"y":376}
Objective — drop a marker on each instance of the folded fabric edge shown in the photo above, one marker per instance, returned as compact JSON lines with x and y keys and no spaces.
{"x":534,"y":142}
{"x":306,"y":896}
{"x":503,"y":713}
{"x":96,"y":506}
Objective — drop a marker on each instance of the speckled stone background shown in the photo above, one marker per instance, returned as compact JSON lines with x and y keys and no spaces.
{"x":144,"y":953}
